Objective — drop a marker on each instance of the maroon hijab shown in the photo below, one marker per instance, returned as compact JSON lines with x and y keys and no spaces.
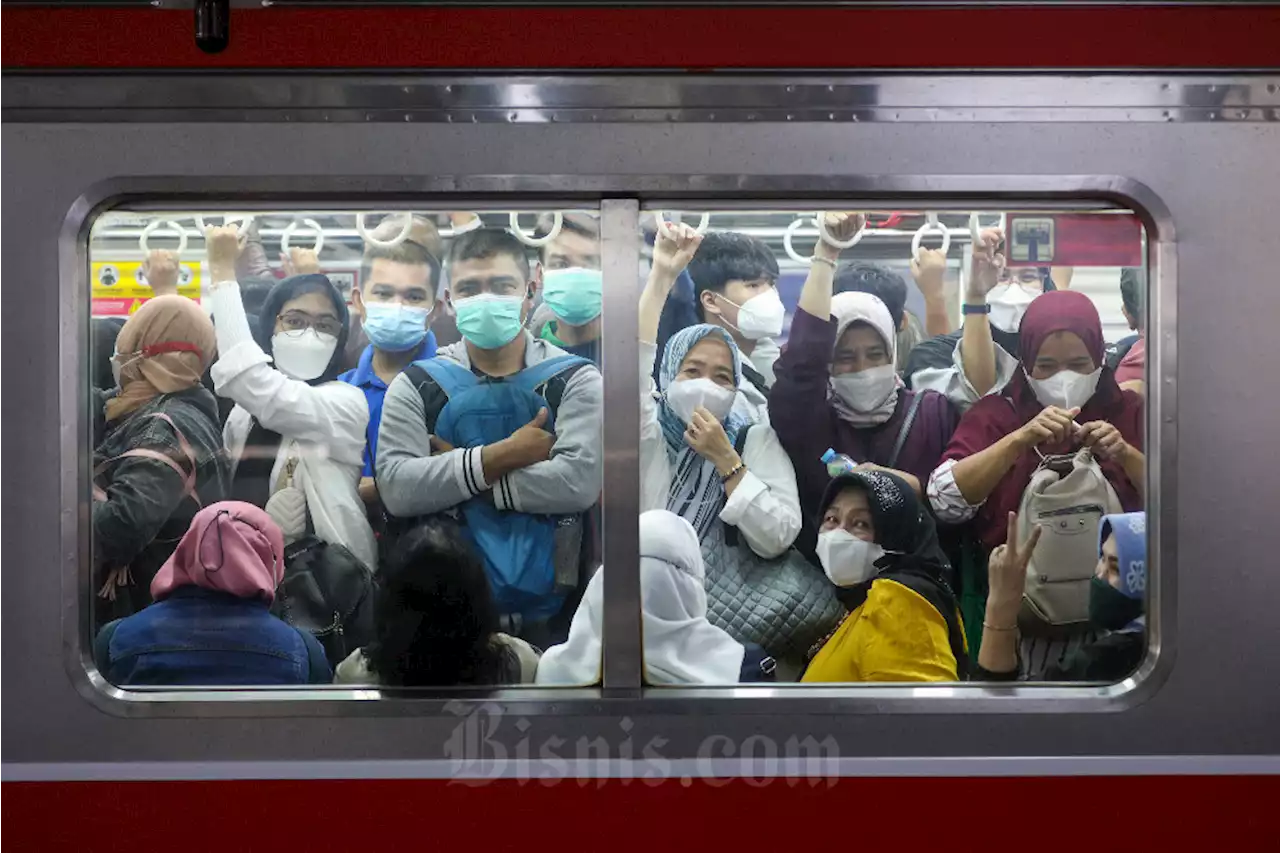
{"x":994,"y":417}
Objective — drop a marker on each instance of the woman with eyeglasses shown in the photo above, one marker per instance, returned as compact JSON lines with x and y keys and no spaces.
{"x":296,"y":436}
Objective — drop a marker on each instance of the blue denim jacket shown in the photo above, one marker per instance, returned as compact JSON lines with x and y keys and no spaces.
{"x":202,"y":637}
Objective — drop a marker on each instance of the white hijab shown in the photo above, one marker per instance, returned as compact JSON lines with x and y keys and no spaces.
{"x":680,"y":645}
{"x":852,"y":307}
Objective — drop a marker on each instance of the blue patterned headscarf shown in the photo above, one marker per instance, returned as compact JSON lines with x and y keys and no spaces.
{"x":1130,"y":529}
{"x":696,"y":493}
{"x":673,"y":356}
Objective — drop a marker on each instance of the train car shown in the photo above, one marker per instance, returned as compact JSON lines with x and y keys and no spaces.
{"x":1100,"y":138}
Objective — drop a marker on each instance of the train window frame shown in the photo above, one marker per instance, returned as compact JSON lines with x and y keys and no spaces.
{"x":620,"y":201}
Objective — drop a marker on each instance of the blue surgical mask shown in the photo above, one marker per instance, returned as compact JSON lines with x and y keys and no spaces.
{"x":574,"y":295}
{"x":488,"y":320}
{"x":393,"y":327}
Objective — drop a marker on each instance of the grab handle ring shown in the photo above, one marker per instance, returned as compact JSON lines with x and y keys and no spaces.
{"x":293,"y":226}
{"x":536,"y":242}
{"x":168,"y":225}
{"x":931,"y":224}
{"x":832,"y":241}
{"x":473,"y":224}
{"x":975,"y":228}
{"x":664,"y":223}
{"x":245,"y":221}
{"x":365,"y":233}
{"x":787,"y":237}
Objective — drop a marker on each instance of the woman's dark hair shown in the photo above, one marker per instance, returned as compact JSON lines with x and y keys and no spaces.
{"x":434,"y":614}
{"x":291,"y":288}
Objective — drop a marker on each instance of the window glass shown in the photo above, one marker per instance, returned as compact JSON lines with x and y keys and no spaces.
{"x":892,"y":446}
{"x":340,"y":447}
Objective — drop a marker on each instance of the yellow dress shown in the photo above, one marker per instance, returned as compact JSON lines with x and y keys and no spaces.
{"x":895,"y":635}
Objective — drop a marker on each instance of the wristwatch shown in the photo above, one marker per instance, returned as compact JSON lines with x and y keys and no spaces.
{"x":984,"y":308}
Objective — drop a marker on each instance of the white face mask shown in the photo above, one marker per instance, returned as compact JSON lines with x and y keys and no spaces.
{"x":1066,"y":388}
{"x":761,"y":316}
{"x":685,"y":395}
{"x":1008,"y":303}
{"x":866,"y":390}
{"x":303,"y":354}
{"x":847,"y":560}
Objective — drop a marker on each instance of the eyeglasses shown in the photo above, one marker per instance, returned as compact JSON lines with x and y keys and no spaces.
{"x":298,"y":321}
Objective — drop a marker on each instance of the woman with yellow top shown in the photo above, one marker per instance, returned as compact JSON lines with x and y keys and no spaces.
{"x":876,"y":540}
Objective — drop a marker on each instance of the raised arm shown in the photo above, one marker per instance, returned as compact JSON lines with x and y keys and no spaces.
{"x":930,"y":270}
{"x":977,"y":347}
{"x":673,"y":247}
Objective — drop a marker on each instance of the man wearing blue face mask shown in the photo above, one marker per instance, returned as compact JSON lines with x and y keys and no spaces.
{"x":572,"y":288}
{"x":395,"y":303}
{"x":502,"y":430}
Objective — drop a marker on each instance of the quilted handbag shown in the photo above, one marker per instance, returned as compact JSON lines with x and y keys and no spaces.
{"x":784,"y":605}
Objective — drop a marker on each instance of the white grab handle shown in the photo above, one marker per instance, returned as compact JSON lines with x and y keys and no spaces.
{"x":245,"y":221}
{"x":474,"y":224}
{"x":786,"y":241}
{"x":536,"y":242}
{"x":168,"y":225}
{"x":931,"y":224}
{"x":703,"y":223}
{"x":832,"y":241}
{"x":975,"y":229}
{"x":293,"y":226}
{"x":365,"y":233}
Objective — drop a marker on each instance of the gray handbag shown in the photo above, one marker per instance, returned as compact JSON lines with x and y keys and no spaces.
{"x":784,"y":604}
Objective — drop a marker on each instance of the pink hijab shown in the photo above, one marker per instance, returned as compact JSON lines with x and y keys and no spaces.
{"x":230,"y":547}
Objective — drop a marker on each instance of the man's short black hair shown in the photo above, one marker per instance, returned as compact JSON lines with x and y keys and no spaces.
{"x":726,"y":256}
{"x":254,"y":290}
{"x":1131,"y":293}
{"x":489,"y":243}
{"x":881,"y":282}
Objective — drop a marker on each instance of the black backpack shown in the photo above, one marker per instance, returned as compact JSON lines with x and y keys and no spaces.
{"x":328,"y":592}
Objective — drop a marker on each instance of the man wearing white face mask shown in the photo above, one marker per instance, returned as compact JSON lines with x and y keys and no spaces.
{"x":735,"y":280}
{"x":296,"y":436}
{"x":462,"y":431}
{"x":879,"y":545}
{"x":838,"y":387}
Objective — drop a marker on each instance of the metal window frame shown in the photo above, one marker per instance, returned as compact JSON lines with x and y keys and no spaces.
{"x":620,"y":200}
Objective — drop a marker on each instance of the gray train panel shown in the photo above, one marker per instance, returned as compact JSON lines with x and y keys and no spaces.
{"x":1196,"y":156}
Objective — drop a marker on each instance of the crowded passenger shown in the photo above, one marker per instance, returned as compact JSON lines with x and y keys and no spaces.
{"x":878,"y":542}
{"x":435,"y":620}
{"x":1061,"y":400}
{"x":210,"y":624}
{"x":889,"y":288}
{"x":1116,"y":593}
{"x":160,"y":456}
{"x":838,"y":387}
{"x":394,"y":305}
{"x":703,"y":460}
{"x":503,"y":428}
{"x":296,"y":435}
{"x":1130,"y":358}
{"x":572,"y":288}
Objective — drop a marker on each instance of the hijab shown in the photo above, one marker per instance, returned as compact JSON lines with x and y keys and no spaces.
{"x":1130,"y":531}
{"x":993,"y":417}
{"x":680,"y":645}
{"x":230,"y":547}
{"x":162,"y":349}
{"x":858,"y":307}
{"x":913,"y":556}
{"x":696,"y":492}
{"x":252,"y":481}
{"x":576,"y":662}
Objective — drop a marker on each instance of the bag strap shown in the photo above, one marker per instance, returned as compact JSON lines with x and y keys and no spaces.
{"x":450,"y":376}
{"x":905,"y":429}
{"x":537,"y":375}
{"x":188,"y":479}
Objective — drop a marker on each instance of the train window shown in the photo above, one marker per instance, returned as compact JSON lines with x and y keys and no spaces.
{"x":892,"y":446}
{"x":353,"y":448}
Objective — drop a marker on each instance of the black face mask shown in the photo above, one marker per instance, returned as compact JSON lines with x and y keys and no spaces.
{"x":1109,"y":608}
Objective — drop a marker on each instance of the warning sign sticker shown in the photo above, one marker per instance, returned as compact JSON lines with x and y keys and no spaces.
{"x":124,"y":280}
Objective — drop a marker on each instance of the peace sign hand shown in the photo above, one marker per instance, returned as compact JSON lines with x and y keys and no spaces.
{"x":1007,"y":573}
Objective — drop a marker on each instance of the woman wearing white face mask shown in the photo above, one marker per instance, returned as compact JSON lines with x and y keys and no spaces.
{"x":1061,"y":399}
{"x":296,"y":436}
{"x":690,"y":438}
{"x":880,"y":545}
{"x":837,"y":388}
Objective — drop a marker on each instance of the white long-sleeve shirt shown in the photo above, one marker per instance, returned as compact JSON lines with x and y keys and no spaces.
{"x":323,"y":426}
{"x":765,"y":506}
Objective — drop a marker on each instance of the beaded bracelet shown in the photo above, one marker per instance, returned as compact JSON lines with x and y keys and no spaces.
{"x":738,"y":469}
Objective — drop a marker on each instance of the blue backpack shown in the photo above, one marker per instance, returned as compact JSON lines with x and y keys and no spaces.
{"x":467,"y":410}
